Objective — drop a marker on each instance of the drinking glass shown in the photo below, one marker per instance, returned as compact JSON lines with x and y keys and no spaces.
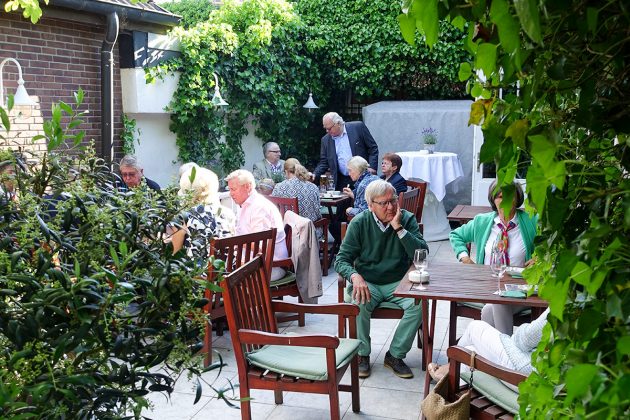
{"x":498,"y":265}
{"x":420,"y":260}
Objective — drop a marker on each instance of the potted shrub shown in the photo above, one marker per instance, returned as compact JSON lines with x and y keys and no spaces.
{"x":429,"y":138}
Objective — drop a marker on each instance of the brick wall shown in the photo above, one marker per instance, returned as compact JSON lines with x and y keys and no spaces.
{"x":57,"y":57}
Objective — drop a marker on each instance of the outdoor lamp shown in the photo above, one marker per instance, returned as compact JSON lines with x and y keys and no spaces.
{"x":216,"y":98}
{"x":21,"y":96}
{"x":310,"y":104}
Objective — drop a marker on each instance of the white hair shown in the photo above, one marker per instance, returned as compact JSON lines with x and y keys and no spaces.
{"x":358,"y":164}
{"x":186,"y":167}
{"x":243,"y":176}
{"x":204,"y":184}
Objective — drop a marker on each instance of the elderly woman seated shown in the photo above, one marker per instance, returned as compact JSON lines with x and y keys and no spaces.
{"x":298,"y":185}
{"x":208,"y":218}
{"x":513,"y":233}
{"x":358,"y":171}
{"x":390,"y":166}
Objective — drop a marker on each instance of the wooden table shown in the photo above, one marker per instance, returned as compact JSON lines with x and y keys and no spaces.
{"x":341,"y":202}
{"x":457,"y":283}
{"x":464,"y":214}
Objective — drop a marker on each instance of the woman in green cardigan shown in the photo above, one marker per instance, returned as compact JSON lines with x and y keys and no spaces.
{"x":516,"y":229}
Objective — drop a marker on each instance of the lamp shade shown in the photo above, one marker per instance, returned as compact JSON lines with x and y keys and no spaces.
{"x":310,"y":104}
{"x":21,"y":96}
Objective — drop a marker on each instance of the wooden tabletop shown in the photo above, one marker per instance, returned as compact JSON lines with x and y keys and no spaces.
{"x":459,"y":282}
{"x":464,"y":214}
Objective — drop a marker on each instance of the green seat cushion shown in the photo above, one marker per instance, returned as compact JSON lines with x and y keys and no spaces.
{"x":288,"y":278}
{"x":302,"y":362}
{"x":473,"y":305}
{"x":494,"y":390}
{"x":384,"y":305}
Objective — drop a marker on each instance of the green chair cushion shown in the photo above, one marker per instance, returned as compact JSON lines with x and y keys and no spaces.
{"x":302,"y":362}
{"x":288,"y":278}
{"x":494,"y":390}
{"x":384,"y":305}
{"x":473,"y":305}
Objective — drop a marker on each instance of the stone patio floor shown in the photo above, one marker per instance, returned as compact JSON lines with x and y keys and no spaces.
{"x":383,"y":395}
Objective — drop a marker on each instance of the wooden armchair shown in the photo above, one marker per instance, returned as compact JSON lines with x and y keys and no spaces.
{"x":385,"y":310}
{"x":421,"y":186}
{"x":278,"y":362}
{"x":234,"y":251}
{"x":287,"y":285}
{"x":490,"y":398}
{"x":291,"y":203}
{"x":409,"y":200}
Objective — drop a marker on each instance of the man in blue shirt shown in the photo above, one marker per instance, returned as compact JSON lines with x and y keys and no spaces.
{"x":341,"y":142}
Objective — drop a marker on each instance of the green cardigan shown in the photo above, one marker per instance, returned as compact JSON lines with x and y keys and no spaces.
{"x":380,"y":257}
{"x":478,"y":230}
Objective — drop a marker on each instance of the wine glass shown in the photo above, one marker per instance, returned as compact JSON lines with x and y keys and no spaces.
{"x":420,"y":260}
{"x":498,"y":265}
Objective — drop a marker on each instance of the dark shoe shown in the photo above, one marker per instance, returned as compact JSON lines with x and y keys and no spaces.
{"x":398,"y":366}
{"x":364,"y":366}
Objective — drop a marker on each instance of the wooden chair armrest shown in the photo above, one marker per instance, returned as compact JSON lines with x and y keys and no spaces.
{"x":462,"y":355}
{"x":284,"y":263}
{"x":341,"y":286}
{"x":322,"y":223}
{"x":345,"y":309}
{"x":264,"y":338}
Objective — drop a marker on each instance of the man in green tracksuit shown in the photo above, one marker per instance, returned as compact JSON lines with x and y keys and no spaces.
{"x":374,"y":256}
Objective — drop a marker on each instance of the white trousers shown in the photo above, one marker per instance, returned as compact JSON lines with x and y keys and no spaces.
{"x":501,"y":317}
{"x":485,"y":341}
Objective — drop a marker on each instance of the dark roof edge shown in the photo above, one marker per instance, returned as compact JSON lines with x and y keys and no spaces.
{"x":125,"y":12}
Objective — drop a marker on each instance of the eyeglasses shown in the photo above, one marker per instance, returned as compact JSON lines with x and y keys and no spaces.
{"x":393,"y":202}
{"x":274,"y":151}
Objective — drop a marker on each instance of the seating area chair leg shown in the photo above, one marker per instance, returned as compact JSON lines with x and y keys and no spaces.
{"x":277,"y":394}
{"x":334,"y":405}
{"x":207,"y":345}
{"x":452,"y":326}
{"x":354,"y":384}
{"x":246,"y":408}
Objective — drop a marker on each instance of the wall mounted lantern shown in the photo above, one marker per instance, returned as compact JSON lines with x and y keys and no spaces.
{"x":216,"y":98}
{"x":310,"y":103}
{"x":21,"y":95}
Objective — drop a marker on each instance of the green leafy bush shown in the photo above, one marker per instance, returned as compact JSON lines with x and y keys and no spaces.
{"x":191,"y":11}
{"x":569,"y":118}
{"x":95,"y":310}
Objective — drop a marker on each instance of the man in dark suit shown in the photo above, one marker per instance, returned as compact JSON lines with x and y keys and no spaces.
{"x":132,"y":175}
{"x":341,"y":142}
{"x":390,"y":166}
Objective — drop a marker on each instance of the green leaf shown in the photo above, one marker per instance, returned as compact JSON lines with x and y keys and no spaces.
{"x":486,"y":58}
{"x":518,"y":132}
{"x":465,"y":71}
{"x":407,"y":28}
{"x":527,"y":11}
{"x":578,"y":380}
{"x":623,"y":346}
{"x":4,"y":117}
{"x":430,"y":22}
{"x":507,"y":25}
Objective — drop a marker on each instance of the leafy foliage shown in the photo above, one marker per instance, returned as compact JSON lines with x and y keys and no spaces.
{"x":569,"y":119}
{"x":95,"y":310}
{"x":257,"y":49}
{"x":191,"y":11}
{"x":30,"y":8}
{"x":128,"y":135}
{"x":357,"y":45}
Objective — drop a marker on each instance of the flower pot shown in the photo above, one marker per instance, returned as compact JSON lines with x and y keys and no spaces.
{"x":429,"y":147}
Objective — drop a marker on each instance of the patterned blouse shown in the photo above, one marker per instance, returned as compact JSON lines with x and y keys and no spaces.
{"x":359,"y":192}
{"x":307,"y":194}
{"x":205,"y":222}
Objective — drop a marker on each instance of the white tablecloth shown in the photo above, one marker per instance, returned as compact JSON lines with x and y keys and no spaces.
{"x":438,"y":170}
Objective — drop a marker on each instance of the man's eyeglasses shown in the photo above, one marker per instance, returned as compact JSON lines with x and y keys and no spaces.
{"x":274,"y":151}
{"x":393,"y":202}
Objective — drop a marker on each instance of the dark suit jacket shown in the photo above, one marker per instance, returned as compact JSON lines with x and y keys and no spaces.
{"x":398,"y":182}
{"x":361,"y":143}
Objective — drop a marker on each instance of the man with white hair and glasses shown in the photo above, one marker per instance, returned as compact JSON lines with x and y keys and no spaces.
{"x":374,"y":256}
{"x":342,"y":141}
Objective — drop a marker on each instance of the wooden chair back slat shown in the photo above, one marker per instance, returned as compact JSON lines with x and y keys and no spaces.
{"x":285,"y":203}
{"x":408,"y":200}
{"x":421,"y":186}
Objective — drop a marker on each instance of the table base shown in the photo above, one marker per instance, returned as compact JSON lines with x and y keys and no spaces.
{"x":436,"y":226}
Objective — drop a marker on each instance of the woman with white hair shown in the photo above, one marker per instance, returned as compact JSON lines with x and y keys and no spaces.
{"x":208,"y":218}
{"x":358,"y":171}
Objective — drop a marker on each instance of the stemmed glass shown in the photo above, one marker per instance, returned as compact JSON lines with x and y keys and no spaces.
{"x":420,"y":260}
{"x":498,"y":265}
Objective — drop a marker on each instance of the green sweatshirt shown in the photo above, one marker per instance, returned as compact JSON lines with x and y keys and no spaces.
{"x":380,"y":257}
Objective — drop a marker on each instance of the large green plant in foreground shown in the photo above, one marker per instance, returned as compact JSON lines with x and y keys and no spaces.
{"x":570,"y":116}
{"x":95,"y":310}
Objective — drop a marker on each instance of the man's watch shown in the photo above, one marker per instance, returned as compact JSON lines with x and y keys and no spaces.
{"x":398,"y":229}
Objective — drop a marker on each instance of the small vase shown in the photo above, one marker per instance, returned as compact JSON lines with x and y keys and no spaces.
{"x":429,"y":147}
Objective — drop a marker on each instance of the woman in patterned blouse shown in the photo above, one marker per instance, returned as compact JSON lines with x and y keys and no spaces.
{"x":298,"y":185}
{"x":208,"y":218}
